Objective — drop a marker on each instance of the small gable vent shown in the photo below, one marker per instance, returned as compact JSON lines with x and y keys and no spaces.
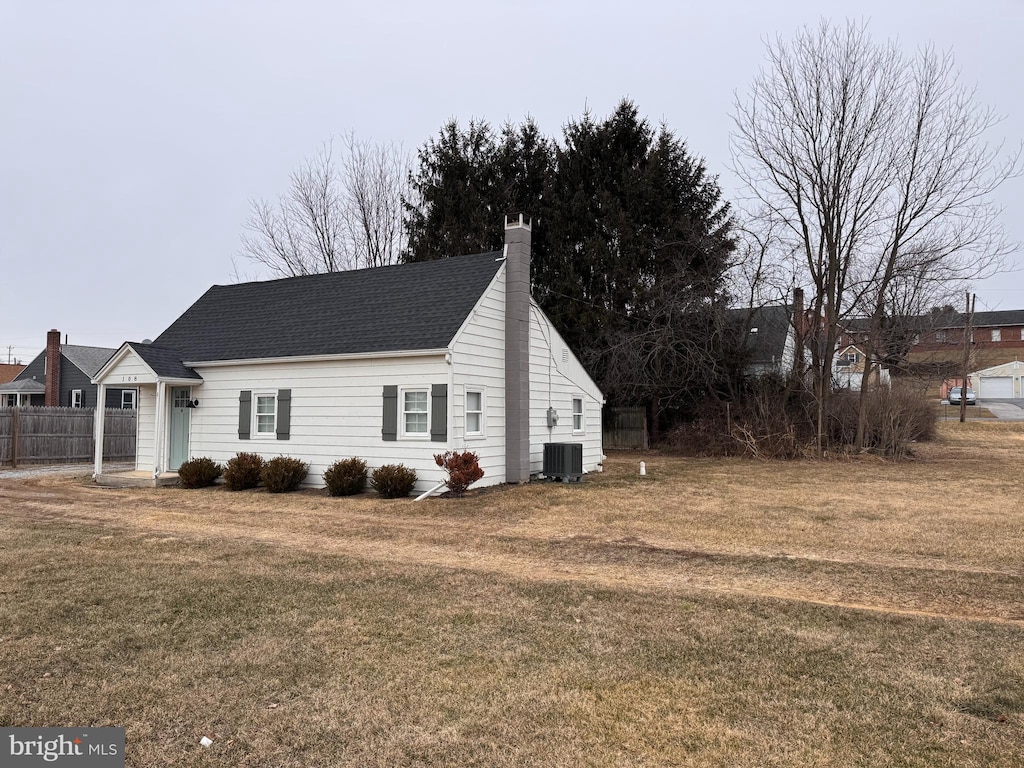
{"x":565,"y":355}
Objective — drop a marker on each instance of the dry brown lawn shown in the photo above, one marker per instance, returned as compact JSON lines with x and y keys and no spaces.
{"x":715,"y":612}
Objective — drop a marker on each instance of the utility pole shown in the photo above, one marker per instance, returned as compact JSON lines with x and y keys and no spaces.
{"x":9,"y":348}
{"x":968,"y":334}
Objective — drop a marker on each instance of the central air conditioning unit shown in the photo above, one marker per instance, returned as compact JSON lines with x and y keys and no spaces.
{"x":563,"y":461}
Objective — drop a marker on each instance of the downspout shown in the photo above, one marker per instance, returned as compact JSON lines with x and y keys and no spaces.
{"x":449,"y":358}
{"x":432,"y":491}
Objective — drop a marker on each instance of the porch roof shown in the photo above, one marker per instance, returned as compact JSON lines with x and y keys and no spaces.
{"x":23,"y":386}
{"x":165,"y":362}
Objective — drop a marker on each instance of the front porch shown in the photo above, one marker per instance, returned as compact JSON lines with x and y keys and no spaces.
{"x":165,"y":404}
{"x":136,"y":478}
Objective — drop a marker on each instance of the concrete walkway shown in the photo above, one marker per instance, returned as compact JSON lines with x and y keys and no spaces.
{"x":38,"y":470}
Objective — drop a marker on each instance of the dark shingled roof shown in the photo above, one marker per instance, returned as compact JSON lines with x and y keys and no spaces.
{"x":772,"y":322}
{"x":387,"y":309}
{"x":88,"y":360}
{"x":947,"y":320}
{"x":29,"y":386}
{"x":164,"y":362}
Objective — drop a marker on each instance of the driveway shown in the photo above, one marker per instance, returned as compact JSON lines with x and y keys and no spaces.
{"x":1004,"y":410}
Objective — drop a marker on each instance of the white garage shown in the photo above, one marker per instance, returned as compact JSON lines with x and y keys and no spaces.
{"x":1000,"y":382}
{"x":995,"y":387}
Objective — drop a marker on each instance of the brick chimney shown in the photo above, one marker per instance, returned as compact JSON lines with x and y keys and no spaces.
{"x":517,"y":348}
{"x":52,"y":396}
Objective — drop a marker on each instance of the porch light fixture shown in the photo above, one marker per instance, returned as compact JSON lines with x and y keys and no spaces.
{"x":191,"y":403}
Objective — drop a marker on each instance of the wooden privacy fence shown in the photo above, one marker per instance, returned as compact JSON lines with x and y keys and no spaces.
{"x":626,"y":428}
{"x":64,"y":435}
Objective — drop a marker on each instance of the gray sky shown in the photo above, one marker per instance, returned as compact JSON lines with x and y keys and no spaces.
{"x":133,"y":135}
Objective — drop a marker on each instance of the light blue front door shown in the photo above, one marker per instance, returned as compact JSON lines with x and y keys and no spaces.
{"x":178,"y":454}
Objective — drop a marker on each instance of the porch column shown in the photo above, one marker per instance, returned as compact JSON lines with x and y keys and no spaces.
{"x":159,"y":427}
{"x":97,"y":431}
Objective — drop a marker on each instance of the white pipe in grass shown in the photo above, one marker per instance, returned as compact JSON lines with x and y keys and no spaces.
{"x":437,"y":487}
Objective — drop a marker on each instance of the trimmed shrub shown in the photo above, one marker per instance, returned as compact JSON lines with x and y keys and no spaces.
{"x":346,"y":477}
{"x":463,"y":469}
{"x":199,"y":472}
{"x":283,"y":474}
{"x":243,"y":471}
{"x":393,"y":481}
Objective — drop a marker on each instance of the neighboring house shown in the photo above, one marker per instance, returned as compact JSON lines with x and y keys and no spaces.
{"x":770,"y":339}
{"x":72,"y":367}
{"x":938,"y":338}
{"x":9,"y":370}
{"x":848,"y":369}
{"x":392,"y":365}
{"x":999,"y":382}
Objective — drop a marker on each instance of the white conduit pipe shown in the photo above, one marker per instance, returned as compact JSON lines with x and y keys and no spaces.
{"x":437,"y":487}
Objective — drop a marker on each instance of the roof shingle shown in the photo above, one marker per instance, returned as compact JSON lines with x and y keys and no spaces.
{"x":398,"y":308}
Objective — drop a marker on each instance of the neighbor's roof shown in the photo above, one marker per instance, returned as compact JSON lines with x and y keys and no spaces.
{"x":87,"y":359}
{"x":29,"y":386}
{"x":947,"y":320}
{"x":772,"y":322}
{"x":9,"y":370}
{"x":414,"y":306}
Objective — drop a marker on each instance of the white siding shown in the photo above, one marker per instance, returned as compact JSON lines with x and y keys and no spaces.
{"x":145,"y":461}
{"x":556,"y":377}
{"x":478,"y":361}
{"x":336,"y":412}
{"x":129,"y":372}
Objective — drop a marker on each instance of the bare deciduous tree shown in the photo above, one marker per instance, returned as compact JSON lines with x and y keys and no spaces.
{"x":877,"y":166}
{"x":337,"y":214}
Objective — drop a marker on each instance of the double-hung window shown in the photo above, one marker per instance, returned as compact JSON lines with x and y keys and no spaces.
{"x":76,"y":398}
{"x":577,"y":414}
{"x":415,"y":412}
{"x":128,"y":399}
{"x":265,"y":414}
{"x":474,"y":413}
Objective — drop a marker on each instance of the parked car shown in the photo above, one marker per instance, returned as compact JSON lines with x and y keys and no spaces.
{"x":954,"y":396}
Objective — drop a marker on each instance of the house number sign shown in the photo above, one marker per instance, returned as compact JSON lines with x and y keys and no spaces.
{"x":129,"y":378}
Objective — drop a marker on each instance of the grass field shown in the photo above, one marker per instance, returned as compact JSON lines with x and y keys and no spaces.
{"x":712,"y":613}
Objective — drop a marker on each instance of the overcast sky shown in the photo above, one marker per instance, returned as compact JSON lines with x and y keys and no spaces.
{"x":133,"y":135}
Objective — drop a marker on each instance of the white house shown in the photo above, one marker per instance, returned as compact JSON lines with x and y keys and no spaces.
{"x":392,"y":364}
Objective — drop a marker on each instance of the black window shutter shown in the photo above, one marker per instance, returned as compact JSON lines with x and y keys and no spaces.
{"x":389,"y":431}
{"x":284,"y":413}
{"x":244,"y":413}
{"x":439,"y":413}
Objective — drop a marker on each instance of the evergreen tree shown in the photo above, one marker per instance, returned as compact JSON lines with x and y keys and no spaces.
{"x":467,"y":180}
{"x":634,"y":270}
{"x":630,"y":242}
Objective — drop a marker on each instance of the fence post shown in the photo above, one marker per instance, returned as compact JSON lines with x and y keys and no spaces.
{"x":15,"y":429}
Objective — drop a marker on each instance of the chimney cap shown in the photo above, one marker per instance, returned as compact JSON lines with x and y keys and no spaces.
{"x":513,"y":220}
